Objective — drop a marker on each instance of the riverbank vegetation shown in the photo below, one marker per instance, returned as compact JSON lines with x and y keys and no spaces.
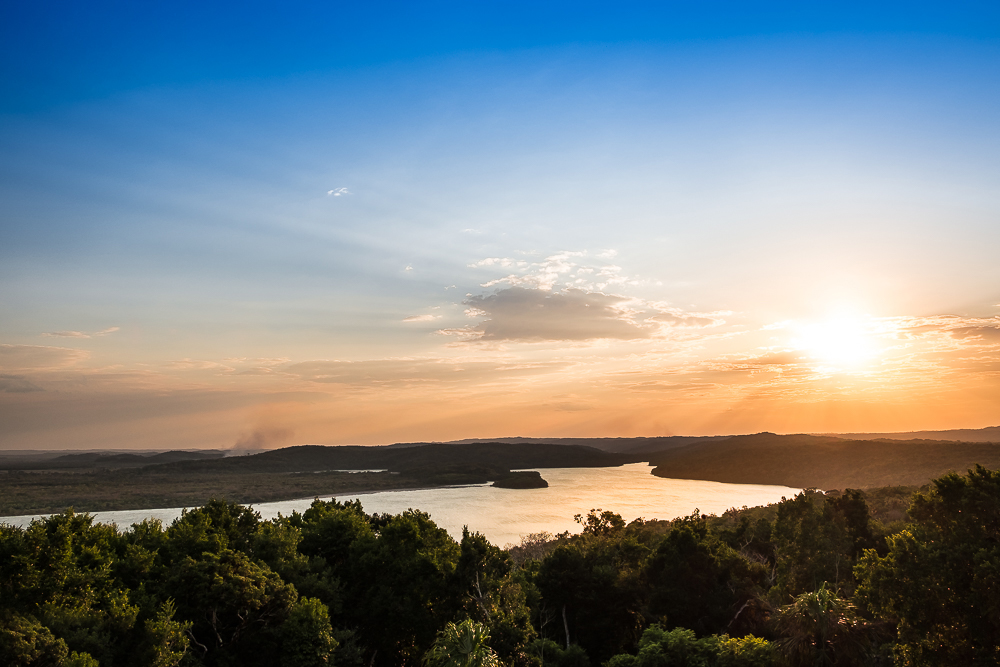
{"x":833,"y":579}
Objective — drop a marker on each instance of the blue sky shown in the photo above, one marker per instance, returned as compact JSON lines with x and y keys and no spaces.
{"x":217,"y":201}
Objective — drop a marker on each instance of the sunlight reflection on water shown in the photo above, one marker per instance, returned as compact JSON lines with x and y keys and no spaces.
{"x":503,"y":515}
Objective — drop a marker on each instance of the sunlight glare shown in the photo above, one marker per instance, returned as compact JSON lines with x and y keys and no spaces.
{"x":837,"y":344}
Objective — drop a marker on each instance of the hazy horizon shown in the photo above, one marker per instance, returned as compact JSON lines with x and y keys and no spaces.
{"x":239,"y":226}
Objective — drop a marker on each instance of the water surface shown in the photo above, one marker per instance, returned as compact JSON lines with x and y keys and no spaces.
{"x":504,"y":515}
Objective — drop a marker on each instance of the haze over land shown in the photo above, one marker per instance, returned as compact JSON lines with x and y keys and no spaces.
{"x":362,"y":226}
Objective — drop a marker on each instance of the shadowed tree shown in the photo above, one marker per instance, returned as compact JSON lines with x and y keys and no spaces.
{"x":821,"y":630}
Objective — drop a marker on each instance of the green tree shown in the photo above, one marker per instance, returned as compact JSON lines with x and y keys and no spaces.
{"x":821,"y":629}
{"x":940,"y":580}
{"x":592,"y":592}
{"x":306,"y":636}
{"x":816,"y":544}
{"x":166,"y":642}
{"x":62,"y":570}
{"x":494,"y":596}
{"x":600,"y":522}
{"x":462,"y":645}
{"x":697,"y":581}
{"x":230,"y":602}
{"x":681,"y":647}
{"x":216,"y":526}
{"x":402,"y":587}
{"x":24,"y":641}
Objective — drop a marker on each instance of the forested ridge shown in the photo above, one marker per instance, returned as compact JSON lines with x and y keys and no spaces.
{"x":823,"y":462}
{"x":819,"y":579}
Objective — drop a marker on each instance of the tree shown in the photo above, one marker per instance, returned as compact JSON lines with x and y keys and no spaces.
{"x":462,"y":645}
{"x":167,"y":640}
{"x":820,"y":629}
{"x":306,"y":636}
{"x":600,"y":522}
{"x":820,"y":544}
{"x":25,"y":641}
{"x":680,"y":647}
{"x":940,"y":580}
{"x":230,"y":601}
{"x":402,"y":587}
{"x":211,"y":528}
{"x":592,"y":591}
{"x":493,"y":596}
{"x":699,"y":582}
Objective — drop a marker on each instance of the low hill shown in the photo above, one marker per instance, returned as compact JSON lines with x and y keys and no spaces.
{"x":988,"y":434}
{"x":492,"y":455}
{"x":637,"y":445}
{"x":643,"y":445}
{"x":823,"y":462}
{"x":112,"y":460}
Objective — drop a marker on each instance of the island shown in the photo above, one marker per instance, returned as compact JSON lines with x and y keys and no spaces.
{"x":522,"y":479}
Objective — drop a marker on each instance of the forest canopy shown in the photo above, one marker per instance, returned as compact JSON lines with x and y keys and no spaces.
{"x":834,"y":579}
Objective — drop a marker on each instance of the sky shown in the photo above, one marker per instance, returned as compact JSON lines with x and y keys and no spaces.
{"x":256,"y":224}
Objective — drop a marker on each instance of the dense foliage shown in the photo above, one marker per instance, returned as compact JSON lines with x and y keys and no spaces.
{"x":818,"y":579}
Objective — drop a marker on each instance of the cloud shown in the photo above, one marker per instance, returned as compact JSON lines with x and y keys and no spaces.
{"x":80,"y":334}
{"x":38,"y":357}
{"x":563,"y":269}
{"x":421,"y":318}
{"x":520,"y":314}
{"x":939,"y":337}
{"x":17,"y":384}
{"x":779,"y":358}
{"x":535,"y":315}
{"x":380,"y":372}
{"x":987,"y":334}
{"x":338,"y":192}
{"x":674,"y":317}
{"x":504,"y":262}
{"x":197,"y":364}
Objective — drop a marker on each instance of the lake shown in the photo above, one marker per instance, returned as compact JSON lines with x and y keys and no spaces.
{"x":504,"y":515}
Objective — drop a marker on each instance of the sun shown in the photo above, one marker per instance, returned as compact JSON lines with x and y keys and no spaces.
{"x":844,"y":344}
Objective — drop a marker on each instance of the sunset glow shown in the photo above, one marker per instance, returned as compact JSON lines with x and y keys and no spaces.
{"x":367,"y":226}
{"x":839,"y":345}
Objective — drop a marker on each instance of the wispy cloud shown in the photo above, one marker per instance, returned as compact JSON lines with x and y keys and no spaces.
{"x":338,"y":192}
{"x":422,"y":371}
{"x":17,"y":384}
{"x":421,"y":318}
{"x":80,"y":334}
{"x":569,"y":268}
{"x":38,"y":357}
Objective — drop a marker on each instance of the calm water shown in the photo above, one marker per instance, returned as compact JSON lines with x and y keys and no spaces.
{"x":503,"y":515}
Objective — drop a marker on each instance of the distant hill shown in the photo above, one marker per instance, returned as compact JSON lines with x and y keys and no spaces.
{"x":490,"y":455}
{"x":640,"y":445}
{"x":988,"y":434}
{"x":93,"y":460}
{"x":615,"y":445}
{"x":823,"y":462}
